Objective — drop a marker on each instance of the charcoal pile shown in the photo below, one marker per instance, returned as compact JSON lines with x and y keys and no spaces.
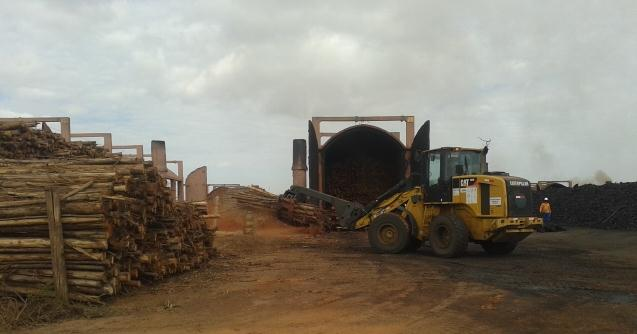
{"x":21,"y":140}
{"x":609,"y":206}
{"x":120,"y":226}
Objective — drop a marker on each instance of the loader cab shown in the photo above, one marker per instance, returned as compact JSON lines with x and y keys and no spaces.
{"x":440,"y":165}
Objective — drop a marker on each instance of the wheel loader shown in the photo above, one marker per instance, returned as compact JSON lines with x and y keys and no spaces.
{"x":450,"y":199}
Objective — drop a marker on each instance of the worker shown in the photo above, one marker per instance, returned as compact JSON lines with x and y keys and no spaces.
{"x":545,"y":210}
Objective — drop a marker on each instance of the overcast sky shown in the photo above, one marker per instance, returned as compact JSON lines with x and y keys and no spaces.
{"x":229,"y":84}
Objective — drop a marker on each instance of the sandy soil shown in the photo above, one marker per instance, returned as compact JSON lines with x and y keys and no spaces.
{"x":283,"y":281}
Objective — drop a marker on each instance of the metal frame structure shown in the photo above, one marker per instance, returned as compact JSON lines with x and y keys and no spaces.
{"x":409,"y":125}
{"x":158,"y":150}
{"x":139,"y":150}
{"x":315,"y":125}
{"x":220,"y":185}
{"x":107,"y":137}
{"x":65,"y":123}
{"x":178,"y":183}
{"x":158,"y":158}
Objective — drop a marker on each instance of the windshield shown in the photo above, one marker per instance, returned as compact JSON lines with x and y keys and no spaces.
{"x":463,"y":163}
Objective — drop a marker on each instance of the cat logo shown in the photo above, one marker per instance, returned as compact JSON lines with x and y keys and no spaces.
{"x":466,"y":182}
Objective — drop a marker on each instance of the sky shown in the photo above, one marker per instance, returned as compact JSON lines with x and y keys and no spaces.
{"x":229,"y":84}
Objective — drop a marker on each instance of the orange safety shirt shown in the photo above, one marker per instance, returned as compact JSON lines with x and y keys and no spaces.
{"x":545,"y":207}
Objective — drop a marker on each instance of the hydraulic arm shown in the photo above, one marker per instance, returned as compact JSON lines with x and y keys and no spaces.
{"x":348,"y":213}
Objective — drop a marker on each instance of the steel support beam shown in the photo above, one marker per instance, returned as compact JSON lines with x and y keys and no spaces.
{"x":107,"y":137}
{"x":65,"y":123}
{"x":139,"y":150}
{"x":409,"y":125}
{"x":158,"y":154}
{"x":331,"y":134}
{"x":180,"y":181}
{"x":226,"y":185}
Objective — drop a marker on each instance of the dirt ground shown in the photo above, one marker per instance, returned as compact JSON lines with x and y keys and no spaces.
{"x":285,"y":281}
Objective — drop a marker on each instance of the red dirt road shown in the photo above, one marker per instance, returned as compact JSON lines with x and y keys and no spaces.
{"x":580,"y":281}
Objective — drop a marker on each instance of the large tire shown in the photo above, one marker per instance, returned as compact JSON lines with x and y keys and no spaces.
{"x":448,"y":236}
{"x":388,"y":233}
{"x":499,"y":248}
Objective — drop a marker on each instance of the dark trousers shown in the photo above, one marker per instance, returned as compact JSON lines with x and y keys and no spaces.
{"x":546,"y":217}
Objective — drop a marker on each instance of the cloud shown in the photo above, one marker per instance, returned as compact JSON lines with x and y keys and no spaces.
{"x":599,"y":178}
{"x":10,"y":114}
{"x":233,"y":82}
{"x":35,"y":93}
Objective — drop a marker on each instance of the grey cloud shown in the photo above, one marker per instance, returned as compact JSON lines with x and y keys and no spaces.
{"x":550,"y":82}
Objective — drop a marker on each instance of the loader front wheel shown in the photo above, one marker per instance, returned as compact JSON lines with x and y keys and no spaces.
{"x":448,"y":236}
{"x":388,"y":233}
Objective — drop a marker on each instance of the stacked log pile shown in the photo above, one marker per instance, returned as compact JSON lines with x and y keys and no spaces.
{"x":21,"y":140}
{"x":236,"y":200}
{"x":609,"y":206}
{"x":120,"y":226}
{"x":254,"y":198}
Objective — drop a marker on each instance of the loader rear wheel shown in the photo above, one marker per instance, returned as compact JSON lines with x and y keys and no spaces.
{"x":498,"y":248}
{"x":388,"y":233}
{"x":448,"y":236}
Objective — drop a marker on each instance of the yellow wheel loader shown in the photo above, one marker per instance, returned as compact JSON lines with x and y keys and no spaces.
{"x":451,"y":199}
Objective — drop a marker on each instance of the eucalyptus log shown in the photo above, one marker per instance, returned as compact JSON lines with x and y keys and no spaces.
{"x":67,"y":219}
{"x":120,"y":225}
{"x":18,"y":258}
{"x":45,"y":243}
{"x":47,"y":265}
{"x":76,"y":274}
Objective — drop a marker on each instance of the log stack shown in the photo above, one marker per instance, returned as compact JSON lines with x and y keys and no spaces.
{"x":21,"y":140}
{"x":120,"y":226}
{"x":287,"y":210}
{"x":254,"y":198}
{"x":241,"y":198}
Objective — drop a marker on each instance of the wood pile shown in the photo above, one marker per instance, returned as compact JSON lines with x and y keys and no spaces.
{"x":287,"y":210}
{"x":241,"y":198}
{"x":21,"y":140}
{"x":120,"y":226}
{"x":297,"y":213}
{"x":254,"y":198}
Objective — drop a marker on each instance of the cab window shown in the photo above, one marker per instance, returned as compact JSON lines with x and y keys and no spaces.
{"x":434,"y":168}
{"x":463,"y":163}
